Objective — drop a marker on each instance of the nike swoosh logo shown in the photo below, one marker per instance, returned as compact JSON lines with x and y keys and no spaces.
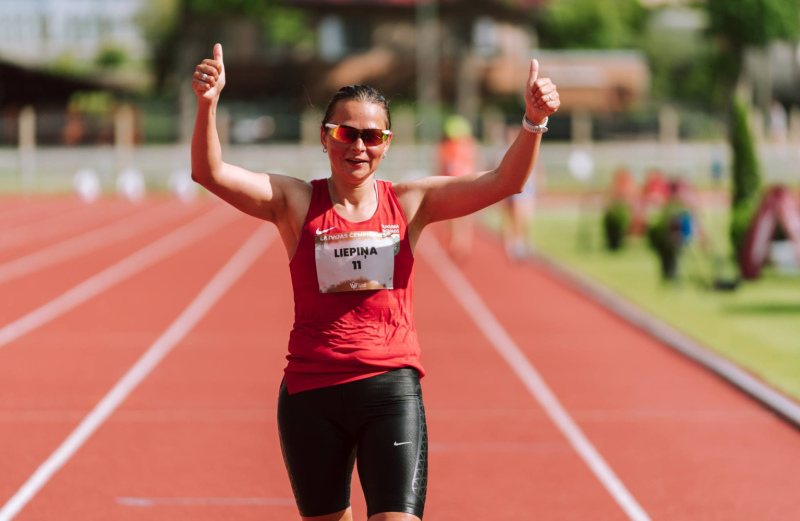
{"x":320,"y":232}
{"x":404,"y":443}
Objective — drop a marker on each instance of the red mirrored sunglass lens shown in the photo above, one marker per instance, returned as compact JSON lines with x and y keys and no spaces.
{"x":370,"y":136}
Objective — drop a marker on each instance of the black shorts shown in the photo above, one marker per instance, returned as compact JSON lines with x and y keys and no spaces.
{"x":378,"y":422}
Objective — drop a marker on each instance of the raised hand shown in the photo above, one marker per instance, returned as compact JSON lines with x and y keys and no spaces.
{"x":209,"y":77}
{"x":541,"y":96}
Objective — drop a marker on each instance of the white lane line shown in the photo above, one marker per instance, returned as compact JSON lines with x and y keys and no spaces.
{"x":202,"y":303}
{"x":92,"y":240}
{"x":472,"y":303}
{"x":204,"y":501}
{"x":116,"y":273}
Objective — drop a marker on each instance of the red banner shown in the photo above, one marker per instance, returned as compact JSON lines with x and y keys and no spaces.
{"x":778,"y":206}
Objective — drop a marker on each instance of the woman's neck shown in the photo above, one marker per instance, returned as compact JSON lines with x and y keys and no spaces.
{"x":352,"y":195}
{"x":355,"y":203}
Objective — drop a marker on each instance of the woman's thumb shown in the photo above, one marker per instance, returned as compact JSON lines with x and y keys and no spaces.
{"x":534,"y":73}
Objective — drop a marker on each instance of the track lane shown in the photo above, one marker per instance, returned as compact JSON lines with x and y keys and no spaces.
{"x":21,"y":296}
{"x":496,"y":453}
{"x":52,"y":225}
{"x":11,"y":205}
{"x":67,"y":364}
{"x":104,"y":235}
{"x":195,"y":430}
{"x":528,"y":375}
{"x":198,"y":307}
{"x":31,"y":209}
{"x":201,"y":427}
{"x":16,"y":245}
{"x":689,"y":445}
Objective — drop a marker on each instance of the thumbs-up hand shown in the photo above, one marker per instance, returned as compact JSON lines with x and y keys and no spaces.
{"x":541,"y":96}
{"x":209,"y":77}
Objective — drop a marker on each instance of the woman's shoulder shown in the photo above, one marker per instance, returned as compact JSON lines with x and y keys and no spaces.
{"x":291,"y":186}
{"x":297,"y":193}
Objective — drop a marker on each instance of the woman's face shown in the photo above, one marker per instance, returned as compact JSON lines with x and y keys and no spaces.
{"x":355,"y":162}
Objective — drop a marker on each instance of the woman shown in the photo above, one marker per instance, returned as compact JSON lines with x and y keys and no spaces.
{"x":351,"y":389}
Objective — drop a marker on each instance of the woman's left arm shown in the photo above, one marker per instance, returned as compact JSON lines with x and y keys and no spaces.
{"x":438,"y":198}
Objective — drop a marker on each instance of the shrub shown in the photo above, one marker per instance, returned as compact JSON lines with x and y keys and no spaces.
{"x":667,"y":235}
{"x":111,"y":57}
{"x":741,"y":217}
{"x":616,"y":223}
{"x":746,"y":176}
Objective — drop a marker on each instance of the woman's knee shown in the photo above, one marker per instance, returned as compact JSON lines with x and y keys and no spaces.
{"x":343,"y":515}
{"x":394,"y":516}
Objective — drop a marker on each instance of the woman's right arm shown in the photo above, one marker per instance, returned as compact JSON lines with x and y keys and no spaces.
{"x":275,"y":198}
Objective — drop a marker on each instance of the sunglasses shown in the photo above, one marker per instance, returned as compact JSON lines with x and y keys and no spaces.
{"x":370,"y":136}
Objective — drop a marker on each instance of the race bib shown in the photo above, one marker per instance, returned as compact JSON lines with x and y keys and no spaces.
{"x":355,"y":261}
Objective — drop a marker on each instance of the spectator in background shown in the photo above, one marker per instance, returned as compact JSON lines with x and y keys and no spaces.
{"x":655,"y":189}
{"x":683,"y":194}
{"x":520,"y":208}
{"x":778,"y":123}
{"x":72,"y":132}
{"x":655,"y":193}
{"x":458,"y":157}
{"x":623,"y":187}
{"x":619,"y":210}
{"x":717,"y":168}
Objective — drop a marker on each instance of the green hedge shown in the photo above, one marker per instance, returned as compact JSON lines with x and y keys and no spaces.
{"x":746,"y":175}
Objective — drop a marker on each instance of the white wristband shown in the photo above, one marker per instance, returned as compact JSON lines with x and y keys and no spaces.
{"x":536,"y":129}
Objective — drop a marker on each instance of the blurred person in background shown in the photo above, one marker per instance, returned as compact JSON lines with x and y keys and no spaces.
{"x":683,"y":195}
{"x":623,"y":187}
{"x":351,"y":391}
{"x":458,"y":154}
{"x":778,"y":123}
{"x":655,"y":193}
{"x":520,"y":208}
{"x":619,"y":208}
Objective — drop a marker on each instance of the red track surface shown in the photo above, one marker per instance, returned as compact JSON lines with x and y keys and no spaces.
{"x":197,"y":438}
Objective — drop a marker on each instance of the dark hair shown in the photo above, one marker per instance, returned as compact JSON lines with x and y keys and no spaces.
{"x":357,"y":93}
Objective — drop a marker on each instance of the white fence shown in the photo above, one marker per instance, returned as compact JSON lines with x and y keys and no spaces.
{"x":51,"y":169}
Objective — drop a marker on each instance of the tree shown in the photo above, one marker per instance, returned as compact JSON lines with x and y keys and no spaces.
{"x":736,"y":25}
{"x":173,"y":25}
{"x":592,"y":24}
{"x":111,"y":57}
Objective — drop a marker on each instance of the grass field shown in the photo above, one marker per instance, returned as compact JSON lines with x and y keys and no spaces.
{"x":757,"y":326}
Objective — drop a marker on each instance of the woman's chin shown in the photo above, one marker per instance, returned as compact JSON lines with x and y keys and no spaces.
{"x":357,"y":171}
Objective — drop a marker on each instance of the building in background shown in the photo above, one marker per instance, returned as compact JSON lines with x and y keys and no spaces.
{"x":463,"y":58}
{"x":376,"y":44}
{"x":40,"y":32}
{"x":64,"y":59}
{"x":478,"y":58}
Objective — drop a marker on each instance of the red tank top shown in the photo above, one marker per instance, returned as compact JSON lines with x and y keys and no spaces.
{"x":352,"y":295}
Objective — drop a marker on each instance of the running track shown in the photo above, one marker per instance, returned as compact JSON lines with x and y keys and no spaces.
{"x":141,"y":348}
